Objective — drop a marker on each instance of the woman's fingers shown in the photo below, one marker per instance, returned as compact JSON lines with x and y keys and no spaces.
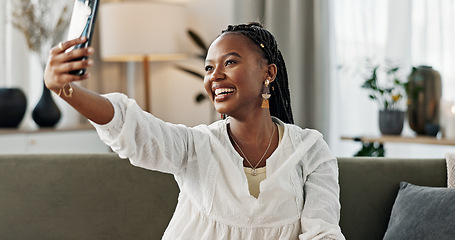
{"x":58,"y":75}
{"x":70,"y":55}
{"x":62,"y":61}
{"x":67,"y":67}
{"x":55,"y":82}
{"x":61,"y":53}
{"x":66,"y":78}
{"x":63,"y":46}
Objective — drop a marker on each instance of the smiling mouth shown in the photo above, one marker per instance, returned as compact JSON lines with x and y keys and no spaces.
{"x":223,"y":91}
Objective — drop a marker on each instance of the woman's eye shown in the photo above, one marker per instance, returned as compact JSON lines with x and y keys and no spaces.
{"x":229,"y":62}
{"x":208,"y":68}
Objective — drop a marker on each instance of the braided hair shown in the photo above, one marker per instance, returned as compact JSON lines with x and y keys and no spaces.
{"x":280,"y":100}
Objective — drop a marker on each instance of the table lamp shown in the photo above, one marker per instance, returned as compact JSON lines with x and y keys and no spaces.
{"x":141,"y":32}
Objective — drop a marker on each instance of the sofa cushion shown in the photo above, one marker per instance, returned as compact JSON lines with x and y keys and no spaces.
{"x":422,"y":213}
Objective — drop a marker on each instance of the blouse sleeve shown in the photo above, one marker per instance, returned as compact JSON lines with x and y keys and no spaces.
{"x":146,"y":140}
{"x":321,"y":211}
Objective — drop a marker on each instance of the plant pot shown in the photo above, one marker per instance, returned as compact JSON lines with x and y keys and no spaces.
{"x":391,"y":122}
{"x":13,"y":104}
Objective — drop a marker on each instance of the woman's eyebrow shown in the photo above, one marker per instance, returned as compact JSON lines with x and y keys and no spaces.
{"x":232,"y":54}
{"x":226,"y":55}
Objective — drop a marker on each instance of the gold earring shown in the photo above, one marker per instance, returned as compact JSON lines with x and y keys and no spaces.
{"x":265,"y":94}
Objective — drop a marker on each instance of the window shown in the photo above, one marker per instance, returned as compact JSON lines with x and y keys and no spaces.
{"x":408,"y":33}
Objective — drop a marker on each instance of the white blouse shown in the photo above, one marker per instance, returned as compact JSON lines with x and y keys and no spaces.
{"x":255,"y":180}
{"x":299,"y":199}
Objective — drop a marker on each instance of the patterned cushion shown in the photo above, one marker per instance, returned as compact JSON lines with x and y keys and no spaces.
{"x":450,"y":160}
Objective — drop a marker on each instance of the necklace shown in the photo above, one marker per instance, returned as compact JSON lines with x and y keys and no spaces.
{"x":253,"y":169}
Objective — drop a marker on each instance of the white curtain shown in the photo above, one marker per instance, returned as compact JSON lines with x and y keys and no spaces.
{"x":304,"y":31}
{"x":433,"y":39}
{"x":406,"y":32}
{"x":2,"y":43}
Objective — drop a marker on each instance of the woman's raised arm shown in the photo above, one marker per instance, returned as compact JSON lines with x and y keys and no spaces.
{"x":58,"y":79}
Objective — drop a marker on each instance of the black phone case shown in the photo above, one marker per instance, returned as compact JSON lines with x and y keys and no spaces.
{"x":88,"y":29}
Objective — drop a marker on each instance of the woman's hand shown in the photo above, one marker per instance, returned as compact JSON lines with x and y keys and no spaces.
{"x":57,"y":75}
{"x":60,"y":63}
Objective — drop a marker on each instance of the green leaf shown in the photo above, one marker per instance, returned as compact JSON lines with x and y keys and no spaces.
{"x":393,"y":70}
{"x":200,"y":97}
{"x":199,"y":42}
{"x":388,"y":90}
{"x":202,"y":56}
{"x":374,"y":75}
{"x":194,"y":73}
{"x":371,"y":150}
{"x":366,"y":85}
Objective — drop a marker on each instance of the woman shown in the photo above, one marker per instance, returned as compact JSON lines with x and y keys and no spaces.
{"x":253,"y":175}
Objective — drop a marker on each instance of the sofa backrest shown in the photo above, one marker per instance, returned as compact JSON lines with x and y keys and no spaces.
{"x":369,"y":186}
{"x":87,"y":196}
{"x":100,"y":196}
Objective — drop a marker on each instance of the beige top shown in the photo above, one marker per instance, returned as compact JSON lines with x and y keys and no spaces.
{"x":254,"y":181}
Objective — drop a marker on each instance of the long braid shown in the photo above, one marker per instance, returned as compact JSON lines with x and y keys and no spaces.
{"x":280,"y":100}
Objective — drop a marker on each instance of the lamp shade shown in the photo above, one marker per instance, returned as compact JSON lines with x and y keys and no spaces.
{"x":131,"y":30}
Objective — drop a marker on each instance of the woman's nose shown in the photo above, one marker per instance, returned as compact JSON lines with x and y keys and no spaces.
{"x":217,"y":74}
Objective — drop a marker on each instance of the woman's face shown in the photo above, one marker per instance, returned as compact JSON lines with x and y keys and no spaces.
{"x":235,"y":73}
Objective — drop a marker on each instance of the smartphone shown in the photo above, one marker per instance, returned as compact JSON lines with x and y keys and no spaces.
{"x":82,"y":24}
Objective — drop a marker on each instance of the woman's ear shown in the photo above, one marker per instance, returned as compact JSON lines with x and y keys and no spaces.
{"x":271,"y":72}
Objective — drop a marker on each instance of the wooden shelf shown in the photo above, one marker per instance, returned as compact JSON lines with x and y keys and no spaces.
{"x":403,"y":139}
{"x":79,"y":139}
{"x":4,"y":131}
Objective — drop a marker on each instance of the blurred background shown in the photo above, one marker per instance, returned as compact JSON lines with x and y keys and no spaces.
{"x":332,"y":48}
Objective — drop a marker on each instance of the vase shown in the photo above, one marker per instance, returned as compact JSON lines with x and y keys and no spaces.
{"x":13,"y":104}
{"x":46,"y":112}
{"x":424,"y":96}
{"x":391,"y":122}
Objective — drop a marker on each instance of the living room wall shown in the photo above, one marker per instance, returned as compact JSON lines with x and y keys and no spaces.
{"x":173,"y":91}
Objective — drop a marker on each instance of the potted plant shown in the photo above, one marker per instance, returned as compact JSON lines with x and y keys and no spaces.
{"x":203,"y":49}
{"x":386,"y":88}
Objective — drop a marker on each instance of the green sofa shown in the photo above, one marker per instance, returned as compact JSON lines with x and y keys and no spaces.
{"x":100,"y":196}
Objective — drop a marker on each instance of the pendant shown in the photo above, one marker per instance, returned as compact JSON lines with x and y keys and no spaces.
{"x":254,"y":172}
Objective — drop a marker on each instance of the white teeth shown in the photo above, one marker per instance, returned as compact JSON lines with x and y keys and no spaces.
{"x":219,"y":91}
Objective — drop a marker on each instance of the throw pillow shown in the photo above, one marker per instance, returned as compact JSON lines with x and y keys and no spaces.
{"x":422,"y":213}
{"x":450,"y":160}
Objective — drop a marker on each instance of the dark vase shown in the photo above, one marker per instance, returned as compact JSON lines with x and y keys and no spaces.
{"x":391,"y":122}
{"x":46,"y":112}
{"x":424,"y":96}
{"x":13,"y":104}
